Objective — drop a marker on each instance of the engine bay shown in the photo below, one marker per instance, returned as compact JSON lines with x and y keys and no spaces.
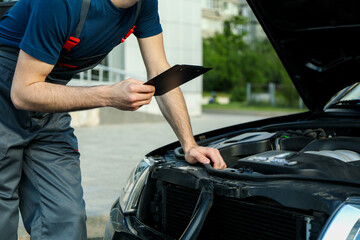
{"x":301,"y":173}
{"x":309,"y":152}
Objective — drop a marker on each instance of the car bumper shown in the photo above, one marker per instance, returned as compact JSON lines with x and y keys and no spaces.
{"x":122,"y":227}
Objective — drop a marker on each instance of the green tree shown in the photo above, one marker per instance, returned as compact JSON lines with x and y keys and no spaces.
{"x":275,"y":72}
{"x":272,"y":67}
{"x":222,"y":52}
{"x":236,"y":63}
{"x":252,"y":71}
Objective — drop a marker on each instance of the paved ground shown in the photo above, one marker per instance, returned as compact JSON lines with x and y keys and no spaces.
{"x":109,"y":153}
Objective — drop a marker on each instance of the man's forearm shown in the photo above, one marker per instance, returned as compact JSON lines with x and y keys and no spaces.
{"x":29,"y":91}
{"x":47,"y":97}
{"x":173,"y":107}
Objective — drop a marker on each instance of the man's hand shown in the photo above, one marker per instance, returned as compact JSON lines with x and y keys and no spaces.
{"x":205,"y":155}
{"x":130,"y":94}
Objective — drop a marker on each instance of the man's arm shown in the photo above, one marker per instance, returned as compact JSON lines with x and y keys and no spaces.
{"x":29,"y":91}
{"x":173,"y":107}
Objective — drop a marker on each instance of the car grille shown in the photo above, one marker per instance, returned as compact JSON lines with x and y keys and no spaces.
{"x":179,"y":206}
{"x":231,"y":218}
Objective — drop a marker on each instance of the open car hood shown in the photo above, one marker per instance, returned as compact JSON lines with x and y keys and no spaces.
{"x":318,"y":42}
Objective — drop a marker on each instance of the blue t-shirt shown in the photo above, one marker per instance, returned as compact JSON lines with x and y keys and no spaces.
{"x":41,"y":27}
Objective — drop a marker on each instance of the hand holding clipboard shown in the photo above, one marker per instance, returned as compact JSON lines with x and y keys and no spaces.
{"x":174,"y":77}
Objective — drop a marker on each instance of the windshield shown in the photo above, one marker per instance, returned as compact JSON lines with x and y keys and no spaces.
{"x":347,"y":98}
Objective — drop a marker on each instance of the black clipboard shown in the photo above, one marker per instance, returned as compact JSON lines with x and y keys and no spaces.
{"x":174,"y":77}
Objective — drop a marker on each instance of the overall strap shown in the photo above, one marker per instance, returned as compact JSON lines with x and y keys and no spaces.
{"x":137,"y":11}
{"x":84,"y":11}
{"x":66,"y":67}
{"x":74,"y":38}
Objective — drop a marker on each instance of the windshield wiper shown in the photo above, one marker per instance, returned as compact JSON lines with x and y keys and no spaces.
{"x":347,"y":103}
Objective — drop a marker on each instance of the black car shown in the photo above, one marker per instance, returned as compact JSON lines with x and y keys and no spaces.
{"x":288,"y":177}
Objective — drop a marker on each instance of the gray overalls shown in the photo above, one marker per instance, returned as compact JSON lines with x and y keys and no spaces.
{"x":39,"y":159}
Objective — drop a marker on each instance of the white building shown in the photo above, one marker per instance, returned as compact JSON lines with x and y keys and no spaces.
{"x":215,"y":12}
{"x":254,"y":29}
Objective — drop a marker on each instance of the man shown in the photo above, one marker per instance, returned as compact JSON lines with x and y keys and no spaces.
{"x":40,"y":51}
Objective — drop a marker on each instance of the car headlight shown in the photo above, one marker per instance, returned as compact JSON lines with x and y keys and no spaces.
{"x":344,"y":224}
{"x":131,"y":192}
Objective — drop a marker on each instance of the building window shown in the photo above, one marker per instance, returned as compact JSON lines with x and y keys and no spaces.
{"x":212,"y":4}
